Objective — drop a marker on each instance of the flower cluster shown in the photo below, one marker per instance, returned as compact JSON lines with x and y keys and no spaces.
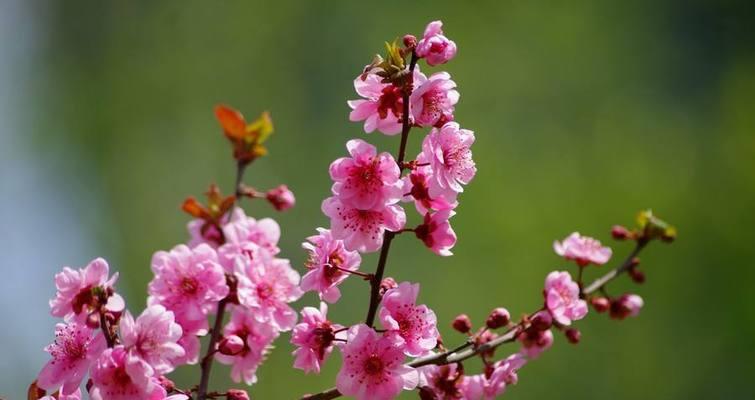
{"x":230,"y":264}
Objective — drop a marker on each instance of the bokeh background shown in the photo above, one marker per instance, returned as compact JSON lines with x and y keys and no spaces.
{"x":584,"y":111}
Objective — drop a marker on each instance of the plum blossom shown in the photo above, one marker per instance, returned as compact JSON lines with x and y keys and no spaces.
{"x":114,"y":379}
{"x":414,"y":326}
{"x":75,"y":348}
{"x":362,"y":230}
{"x":152,"y":339}
{"x":267,"y":289}
{"x":434,"y":47}
{"x":242,"y":229}
{"x":76,"y":395}
{"x":80,"y":292}
{"x":188,"y":282}
{"x":328,"y":262}
{"x":583,"y":250}
{"x":417,"y":186}
{"x":447,"y":152}
{"x":433,"y":99}
{"x":366,"y":180}
{"x":482,"y":386}
{"x":381,"y":107}
{"x":314,"y":338}
{"x":510,"y":366}
{"x":373,"y":366}
{"x":443,"y":382}
{"x":562,"y":298}
{"x":436,"y":232}
{"x":535,"y":342}
{"x":257,"y":339}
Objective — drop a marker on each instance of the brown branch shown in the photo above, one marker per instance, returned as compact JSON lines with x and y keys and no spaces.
{"x":467,"y":350}
{"x":388,"y":236}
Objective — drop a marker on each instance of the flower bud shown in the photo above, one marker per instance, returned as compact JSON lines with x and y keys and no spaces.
{"x":410,"y":41}
{"x":637,"y":275}
{"x":542,"y":321}
{"x":236,"y":394}
{"x":600,"y":304}
{"x":231,"y":345}
{"x":499,"y":317}
{"x":93,"y":320}
{"x":573,"y":335}
{"x":281,"y":198}
{"x":620,"y":233}
{"x":387,"y":284}
{"x":628,"y":305}
{"x":462,"y":323}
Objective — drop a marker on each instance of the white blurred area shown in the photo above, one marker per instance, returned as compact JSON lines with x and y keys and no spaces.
{"x":40,"y":222}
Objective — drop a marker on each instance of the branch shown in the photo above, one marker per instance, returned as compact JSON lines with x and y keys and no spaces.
{"x":388,"y":236}
{"x":466,"y":350}
{"x":206,"y":365}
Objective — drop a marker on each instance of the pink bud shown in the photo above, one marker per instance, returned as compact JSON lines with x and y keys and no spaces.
{"x":637,"y":275}
{"x":231,"y":345}
{"x":281,"y":198}
{"x":600,"y":304}
{"x":387,"y":284}
{"x":628,"y":305}
{"x":410,"y":41}
{"x":573,"y":335}
{"x":166,"y":383}
{"x":499,"y":317}
{"x":93,"y":320}
{"x":542,"y":321}
{"x":619,"y":232}
{"x":236,"y":394}
{"x":462,"y":323}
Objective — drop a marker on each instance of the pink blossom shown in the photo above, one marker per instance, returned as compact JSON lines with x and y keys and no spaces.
{"x":366,"y":180}
{"x":582,"y":249}
{"x":444,"y":382}
{"x":187,"y":281}
{"x":257,"y":339}
{"x":373,"y":366}
{"x":212,"y":236}
{"x":152,"y":339}
{"x":417,"y":185}
{"x":413,"y":325}
{"x":76,"y":395}
{"x":242,"y":229}
{"x":362,"y":230}
{"x":485,"y":387}
{"x":281,"y":198}
{"x":436,"y":232}
{"x":80,"y":291}
{"x":114,"y":379}
{"x":314,"y":338}
{"x":447,"y":151}
{"x":189,"y":340}
{"x":510,"y":366}
{"x":562,"y":298}
{"x":381,"y":107}
{"x":434,"y":47}
{"x":328,"y":262}
{"x":75,"y":348}
{"x":433,"y":99}
{"x":535,"y":342}
{"x":267,"y":289}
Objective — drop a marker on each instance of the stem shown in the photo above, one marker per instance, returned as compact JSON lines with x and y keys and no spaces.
{"x":206,"y":365}
{"x":106,"y":329}
{"x":466,"y":351}
{"x":388,"y":236}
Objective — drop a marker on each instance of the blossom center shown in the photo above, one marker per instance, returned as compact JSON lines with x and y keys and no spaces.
{"x":189,"y":285}
{"x":373,"y":365}
{"x":390,"y":100}
{"x":264,"y":291}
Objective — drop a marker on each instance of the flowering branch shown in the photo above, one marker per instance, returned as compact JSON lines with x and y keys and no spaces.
{"x":464,"y":352}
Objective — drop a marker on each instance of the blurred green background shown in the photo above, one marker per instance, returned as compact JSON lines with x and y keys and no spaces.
{"x":585,"y":112}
